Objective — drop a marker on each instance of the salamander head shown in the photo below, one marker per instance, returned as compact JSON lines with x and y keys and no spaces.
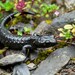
{"x":48,"y":40}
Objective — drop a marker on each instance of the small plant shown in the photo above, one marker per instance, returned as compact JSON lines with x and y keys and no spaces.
{"x":25,"y":31}
{"x":47,"y":9}
{"x":7,"y":6}
{"x":42,"y":9}
{"x":1,"y":15}
{"x":19,"y":17}
{"x":68,"y":32}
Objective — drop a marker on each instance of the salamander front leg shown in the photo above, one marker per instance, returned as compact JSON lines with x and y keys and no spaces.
{"x":27,"y":50}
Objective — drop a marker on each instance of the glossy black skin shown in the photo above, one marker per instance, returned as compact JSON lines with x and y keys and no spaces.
{"x":31,"y":41}
{"x":38,"y":42}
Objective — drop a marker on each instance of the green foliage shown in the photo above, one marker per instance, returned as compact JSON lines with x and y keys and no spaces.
{"x":37,"y":6}
{"x":3,"y":50}
{"x":7,"y":6}
{"x":42,"y":56}
{"x":45,"y":8}
{"x":1,"y":15}
{"x":27,"y":30}
{"x":19,"y":33}
{"x":41,"y":8}
{"x":68,"y":32}
{"x":18,"y":14}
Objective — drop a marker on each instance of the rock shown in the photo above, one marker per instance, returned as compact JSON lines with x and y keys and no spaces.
{"x":68,"y":69}
{"x":61,"y":21}
{"x":41,"y":28}
{"x":21,"y":69}
{"x":10,"y":52}
{"x":55,"y":61}
{"x":70,"y":4}
{"x":12,"y":59}
{"x":32,"y":66}
{"x":44,"y":28}
{"x":60,"y":2}
{"x":62,"y":11}
{"x":2,"y":72}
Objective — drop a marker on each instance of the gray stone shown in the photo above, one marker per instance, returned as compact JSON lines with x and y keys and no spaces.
{"x":3,"y":72}
{"x":41,"y":27}
{"x":70,"y":4}
{"x":61,"y":21}
{"x":21,"y":69}
{"x":44,"y":28}
{"x":32,"y":66}
{"x":12,"y":59}
{"x":55,"y":61}
{"x":60,"y":2}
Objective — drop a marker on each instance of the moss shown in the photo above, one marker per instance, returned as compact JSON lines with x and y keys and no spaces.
{"x":61,"y":45}
{"x":42,"y":55}
{"x":28,"y":62}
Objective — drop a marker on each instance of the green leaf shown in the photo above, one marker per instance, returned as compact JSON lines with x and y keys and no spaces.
{"x":1,"y":15}
{"x":34,"y":10}
{"x":53,"y":7}
{"x":0,"y":8}
{"x":27,"y":29}
{"x":47,"y":15}
{"x":3,"y":50}
{"x":39,"y":1}
{"x":68,"y":35}
{"x":18,"y":14}
{"x":1,"y":4}
{"x":19,"y":33}
{"x":38,"y":15}
{"x":44,"y":5}
{"x":7,"y":5}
